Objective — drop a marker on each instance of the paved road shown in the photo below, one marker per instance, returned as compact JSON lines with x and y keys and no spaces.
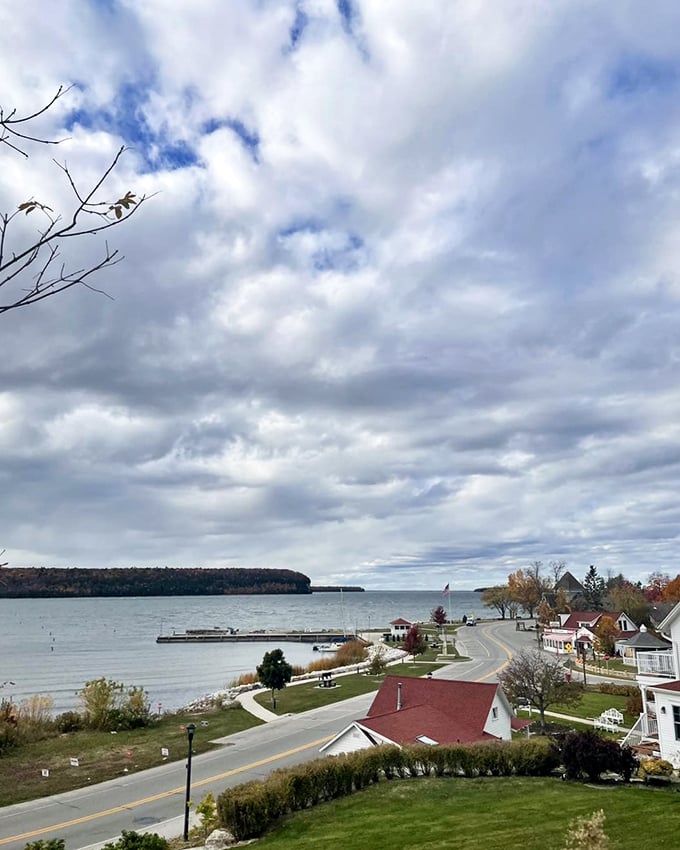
{"x":155,"y":798}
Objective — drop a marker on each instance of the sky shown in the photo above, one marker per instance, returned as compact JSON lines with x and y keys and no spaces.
{"x":402,"y":309}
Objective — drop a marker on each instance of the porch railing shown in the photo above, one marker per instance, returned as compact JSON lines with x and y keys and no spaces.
{"x":656,"y":663}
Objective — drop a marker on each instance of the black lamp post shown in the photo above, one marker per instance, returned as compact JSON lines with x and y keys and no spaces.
{"x":191,"y":728}
{"x":583,"y":658}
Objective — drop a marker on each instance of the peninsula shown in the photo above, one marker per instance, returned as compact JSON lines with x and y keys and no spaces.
{"x":55,"y":582}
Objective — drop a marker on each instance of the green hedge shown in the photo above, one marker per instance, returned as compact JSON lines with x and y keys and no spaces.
{"x":250,"y":809}
{"x":618,"y":690}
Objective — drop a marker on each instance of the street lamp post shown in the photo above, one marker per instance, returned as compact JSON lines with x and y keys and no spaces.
{"x":191,"y":728}
{"x":583,"y":658}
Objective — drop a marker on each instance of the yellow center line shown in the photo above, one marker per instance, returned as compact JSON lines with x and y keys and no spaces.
{"x":162,"y":795}
{"x":505,"y":650}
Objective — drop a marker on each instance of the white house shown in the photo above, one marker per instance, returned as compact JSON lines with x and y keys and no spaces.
{"x":412,"y":711}
{"x":576,"y":631}
{"x":658,"y":677}
{"x":399,"y":628}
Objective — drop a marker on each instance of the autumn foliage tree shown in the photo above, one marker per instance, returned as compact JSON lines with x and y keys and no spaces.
{"x":656,"y":586}
{"x":43,"y":256}
{"x":671,"y":592}
{"x":606,"y":635}
{"x":414,"y":642}
{"x":499,"y":597}
{"x":438,"y":615}
{"x":527,"y":587}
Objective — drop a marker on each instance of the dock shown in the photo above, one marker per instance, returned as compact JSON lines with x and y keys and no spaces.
{"x":234,"y":636}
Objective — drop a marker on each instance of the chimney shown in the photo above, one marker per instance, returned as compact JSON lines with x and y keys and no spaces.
{"x":398,"y":696}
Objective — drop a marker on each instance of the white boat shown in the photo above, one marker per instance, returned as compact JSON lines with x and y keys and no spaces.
{"x":326,"y":647}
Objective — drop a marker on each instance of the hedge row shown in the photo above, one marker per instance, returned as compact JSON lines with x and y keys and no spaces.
{"x":618,"y":690}
{"x":250,"y":809}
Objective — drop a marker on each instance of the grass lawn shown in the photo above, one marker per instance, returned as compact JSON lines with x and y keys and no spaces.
{"x":297,"y":698}
{"x":593,"y":703}
{"x":479,"y":814}
{"x":103,"y":755}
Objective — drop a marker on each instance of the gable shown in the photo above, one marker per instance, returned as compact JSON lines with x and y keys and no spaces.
{"x":569,"y":583}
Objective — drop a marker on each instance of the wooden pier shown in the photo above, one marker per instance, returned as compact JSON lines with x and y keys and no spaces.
{"x":232,"y":636}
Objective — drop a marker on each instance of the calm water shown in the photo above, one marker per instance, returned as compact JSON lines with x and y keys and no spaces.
{"x":53,"y":646}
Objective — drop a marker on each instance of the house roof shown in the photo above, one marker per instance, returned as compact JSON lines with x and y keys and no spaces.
{"x":569,"y":583}
{"x":400,"y":622}
{"x":445,"y":710}
{"x":646,"y":640}
{"x":425,"y":721}
{"x":434,"y":711}
{"x":669,"y":686}
{"x":659,"y":611}
{"x":666,"y":623}
{"x":589,"y":618}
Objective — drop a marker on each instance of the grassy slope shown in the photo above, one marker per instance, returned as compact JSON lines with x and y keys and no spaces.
{"x":103,"y":755}
{"x":479,"y":814}
{"x":299,"y":698}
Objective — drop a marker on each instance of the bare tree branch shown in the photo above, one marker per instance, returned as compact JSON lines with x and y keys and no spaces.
{"x":32,"y":272}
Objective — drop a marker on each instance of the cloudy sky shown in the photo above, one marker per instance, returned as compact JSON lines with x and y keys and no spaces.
{"x":403,"y":310}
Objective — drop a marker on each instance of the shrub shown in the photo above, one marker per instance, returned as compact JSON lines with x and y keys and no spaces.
{"x":589,"y":755}
{"x":655,"y":770}
{"x":618,"y":690}
{"x":9,"y":737}
{"x":46,"y":844}
{"x":322,"y":664}
{"x":130,"y":840}
{"x":250,"y":809}
{"x":207,"y":812}
{"x":69,"y":721}
{"x":587,"y":833}
{"x":378,"y":662}
{"x":244,"y":679}
{"x":351,"y":652}
{"x":112,"y":705}
{"x":634,"y":704}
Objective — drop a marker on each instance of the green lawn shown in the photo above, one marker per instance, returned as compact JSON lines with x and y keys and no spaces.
{"x":297,"y":698}
{"x":103,"y":755}
{"x":593,"y":703}
{"x":479,"y":814}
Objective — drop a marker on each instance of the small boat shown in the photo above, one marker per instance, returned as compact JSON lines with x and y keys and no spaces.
{"x":326,"y":647}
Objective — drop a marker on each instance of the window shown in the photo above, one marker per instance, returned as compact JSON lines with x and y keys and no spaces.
{"x":494,"y":713}
{"x":676,"y":721}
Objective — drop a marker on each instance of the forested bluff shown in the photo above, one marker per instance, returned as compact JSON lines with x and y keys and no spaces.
{"x":55,"y":582}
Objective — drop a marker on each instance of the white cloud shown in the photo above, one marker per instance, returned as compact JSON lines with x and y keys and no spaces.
{"x":403,"y":308}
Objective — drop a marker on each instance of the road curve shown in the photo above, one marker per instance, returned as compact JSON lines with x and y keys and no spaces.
{"x":154,"y":799}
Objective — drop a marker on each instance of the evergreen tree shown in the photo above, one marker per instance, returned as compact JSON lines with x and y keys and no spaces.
{"x":274,"y":672}
{"x":593,"y":589}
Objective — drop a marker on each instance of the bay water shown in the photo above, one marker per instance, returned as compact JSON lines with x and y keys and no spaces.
{"x":54,"y":646}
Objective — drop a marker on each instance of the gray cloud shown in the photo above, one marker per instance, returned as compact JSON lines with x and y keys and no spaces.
{"x":403,"y":309}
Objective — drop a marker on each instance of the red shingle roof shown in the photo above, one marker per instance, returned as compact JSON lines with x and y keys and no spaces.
{"x":669,"y":686}
{"x":400,"y":622}
{"x":588,"y":618}
{"x":406,"y":726}
{"x":447,"y":711}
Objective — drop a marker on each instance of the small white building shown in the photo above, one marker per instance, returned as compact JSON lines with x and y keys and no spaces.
{"x":399,"y":628}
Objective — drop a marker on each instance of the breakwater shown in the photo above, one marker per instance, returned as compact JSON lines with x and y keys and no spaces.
{"x":233,"y":636}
